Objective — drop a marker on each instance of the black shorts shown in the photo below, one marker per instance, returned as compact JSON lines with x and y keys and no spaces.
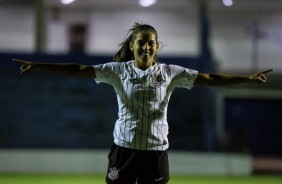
{"x":128,"y":166}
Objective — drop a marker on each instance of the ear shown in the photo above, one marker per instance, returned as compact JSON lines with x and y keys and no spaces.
{"x":131,"y":46}
{"x":158,"y":46}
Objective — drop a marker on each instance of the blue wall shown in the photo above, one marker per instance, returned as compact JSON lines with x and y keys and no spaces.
{"x":254,"y":125}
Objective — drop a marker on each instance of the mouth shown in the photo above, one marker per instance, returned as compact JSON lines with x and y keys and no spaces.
{"x":145,"y":53}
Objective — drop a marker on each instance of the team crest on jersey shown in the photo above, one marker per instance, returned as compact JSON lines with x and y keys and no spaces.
{"x":156,"y":80}
{"x":113,"y":174}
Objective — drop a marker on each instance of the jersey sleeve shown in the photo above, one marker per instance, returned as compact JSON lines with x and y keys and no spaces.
{"x":107,"y":72}
{"x":182,"y":77}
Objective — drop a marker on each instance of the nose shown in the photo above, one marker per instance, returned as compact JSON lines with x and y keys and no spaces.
{"x":146,"y":46}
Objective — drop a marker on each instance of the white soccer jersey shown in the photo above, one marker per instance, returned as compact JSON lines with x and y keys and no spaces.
{"x":143,"y":98}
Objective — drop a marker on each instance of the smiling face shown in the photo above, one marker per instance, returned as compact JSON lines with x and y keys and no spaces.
{"x":144,"y":47}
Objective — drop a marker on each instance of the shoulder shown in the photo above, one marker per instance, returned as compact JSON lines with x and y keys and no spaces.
{"x":171,"y":68}
{"x":126,"y":64}
{"x":116,"y":66}
{"x":176,"y":70}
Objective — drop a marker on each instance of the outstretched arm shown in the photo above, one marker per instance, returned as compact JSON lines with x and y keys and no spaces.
{"x":224,"y":80}
{"x":66,"y":69}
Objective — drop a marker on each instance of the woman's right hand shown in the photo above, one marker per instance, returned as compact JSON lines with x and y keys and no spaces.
{"x":26,"y":67}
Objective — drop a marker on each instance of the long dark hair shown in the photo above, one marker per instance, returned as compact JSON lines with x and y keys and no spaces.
{"x":124,"y":54}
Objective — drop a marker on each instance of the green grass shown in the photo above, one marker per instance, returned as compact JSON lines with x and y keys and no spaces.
{"x":225,"y":180}
{"x":99,"y":178}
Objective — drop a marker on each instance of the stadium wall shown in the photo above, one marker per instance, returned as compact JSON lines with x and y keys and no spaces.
{"x":95,"y":161}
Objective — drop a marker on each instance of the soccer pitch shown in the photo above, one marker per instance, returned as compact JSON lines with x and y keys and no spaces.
{"x":99,"y":179}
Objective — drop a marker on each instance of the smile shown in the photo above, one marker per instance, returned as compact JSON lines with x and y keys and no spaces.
{"x":145,"y":54}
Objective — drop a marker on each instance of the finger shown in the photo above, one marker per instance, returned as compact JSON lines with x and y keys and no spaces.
{"x":19,"y":61}
{"x":267,"y":71}
{"x":263,"y":77}
{"x":25,"y":70}
{"x":262,"y":82}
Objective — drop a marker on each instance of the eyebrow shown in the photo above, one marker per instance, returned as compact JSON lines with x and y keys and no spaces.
{"x":151,"y":40}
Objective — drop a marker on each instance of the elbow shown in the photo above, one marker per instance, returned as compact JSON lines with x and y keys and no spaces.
{"x":86,"y":71}
{"x":205,"y":80}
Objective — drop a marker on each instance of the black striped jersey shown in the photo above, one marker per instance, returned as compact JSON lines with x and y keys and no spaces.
{"x":143,"y":98}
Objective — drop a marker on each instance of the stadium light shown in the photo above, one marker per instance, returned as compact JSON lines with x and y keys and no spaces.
{"x":67,"y":1}
{"x":147,"y":3}
{"x":227,"y":2}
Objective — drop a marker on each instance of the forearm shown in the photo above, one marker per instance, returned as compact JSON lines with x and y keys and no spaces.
{"x":224,"y":80}
{"x":65,"y":69}
{"x":216,"y":79}
{"x":61,"y":69}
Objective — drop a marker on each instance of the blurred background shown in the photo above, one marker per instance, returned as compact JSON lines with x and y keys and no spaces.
{"x":53,"y":123}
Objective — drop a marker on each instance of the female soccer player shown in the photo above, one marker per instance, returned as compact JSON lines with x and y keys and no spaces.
{"x":143,"y":87}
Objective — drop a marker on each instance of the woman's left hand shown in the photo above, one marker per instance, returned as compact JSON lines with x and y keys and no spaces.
{"x":260,"y":77}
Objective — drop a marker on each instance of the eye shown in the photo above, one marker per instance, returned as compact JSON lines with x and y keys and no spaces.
{"x":151,"y":43}
{"x":140,"y":42}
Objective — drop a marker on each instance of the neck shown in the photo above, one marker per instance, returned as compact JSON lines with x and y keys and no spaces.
{"x":143,"y":66}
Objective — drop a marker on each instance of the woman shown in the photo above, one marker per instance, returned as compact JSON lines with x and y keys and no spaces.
{"x":143,"y":87}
